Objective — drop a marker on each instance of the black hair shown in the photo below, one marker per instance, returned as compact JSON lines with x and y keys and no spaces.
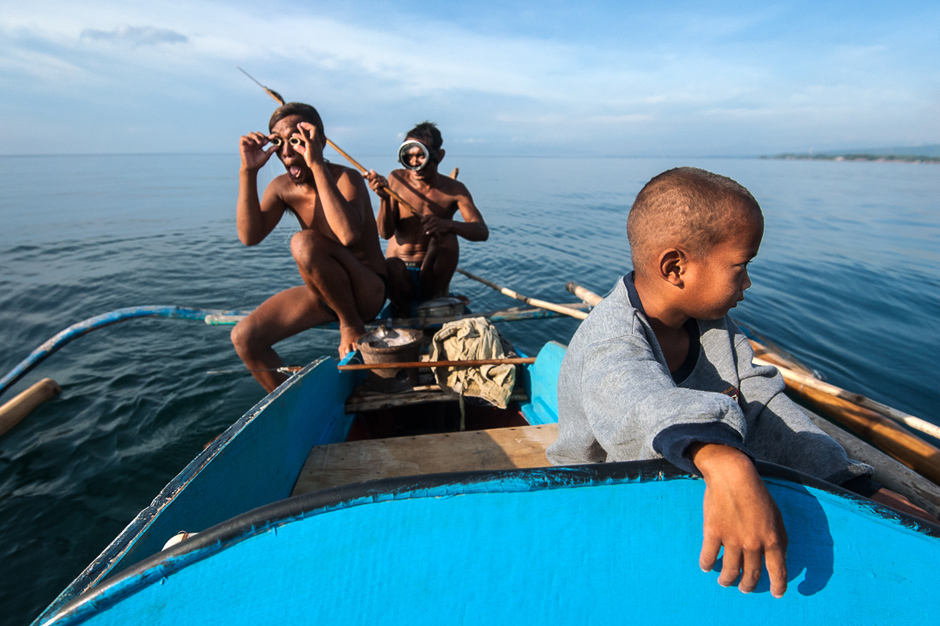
{"x":306,"y":112}
{"x":429,"y":134}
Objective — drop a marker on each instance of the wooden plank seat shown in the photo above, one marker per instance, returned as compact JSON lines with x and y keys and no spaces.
{"x":498,"y":448}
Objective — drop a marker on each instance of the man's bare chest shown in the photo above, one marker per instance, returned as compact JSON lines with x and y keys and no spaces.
{"x":306,"y":207}
{"x":427,"y":202}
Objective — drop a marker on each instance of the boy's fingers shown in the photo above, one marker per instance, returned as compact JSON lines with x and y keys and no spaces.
{"x":710,"y":548}
{"x":776,"y":560}
{"x":753,"y":559}
{"x":730,"y":567}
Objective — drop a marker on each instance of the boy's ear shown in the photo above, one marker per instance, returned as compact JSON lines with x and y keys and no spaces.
{"x":440,"y":155}
{"x":672,"y":266}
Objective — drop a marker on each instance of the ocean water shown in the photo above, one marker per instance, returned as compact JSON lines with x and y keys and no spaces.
{"x":848,"y":280}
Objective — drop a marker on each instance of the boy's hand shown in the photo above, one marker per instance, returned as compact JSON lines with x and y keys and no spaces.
{"x":251,"y":147}
{"x":377,"y":183}
{"x":311,"y":144}
{"x":433,"y":225}
{"x":740,"y":516}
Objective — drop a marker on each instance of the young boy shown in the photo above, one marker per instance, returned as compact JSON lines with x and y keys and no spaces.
{"x":659,"y":370}
{"x":337,"y":249}
{"x":423,"y":251}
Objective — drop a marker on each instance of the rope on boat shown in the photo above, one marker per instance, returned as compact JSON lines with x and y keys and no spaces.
{"x":100,"y":321}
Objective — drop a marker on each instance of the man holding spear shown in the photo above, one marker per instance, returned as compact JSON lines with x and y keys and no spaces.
{"x":416,"y":215}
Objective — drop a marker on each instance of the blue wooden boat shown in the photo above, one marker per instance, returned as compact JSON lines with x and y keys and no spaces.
{"x":291,"y":528}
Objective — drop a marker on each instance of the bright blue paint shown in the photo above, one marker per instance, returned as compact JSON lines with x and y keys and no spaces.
{"x":255,"y":462}
{"x":543,"y":385}
{"x":516,"y":554}
{"x":236,"y":474}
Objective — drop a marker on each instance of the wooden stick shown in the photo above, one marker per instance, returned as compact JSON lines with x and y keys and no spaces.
{"x":585,"y":294}
{"x":797,"y":379}
{"x":13,"y":411}
{"x":286,"y":369}
{"x":362,"y":169}
{"x":542,"y":304}
{"x":417,"y":364}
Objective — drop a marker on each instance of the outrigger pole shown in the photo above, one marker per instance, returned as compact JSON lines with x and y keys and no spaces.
{"x":100,"y":321}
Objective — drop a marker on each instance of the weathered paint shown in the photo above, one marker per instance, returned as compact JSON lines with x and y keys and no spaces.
{"x":615,"y":543}
{"x":100,"y":321}
{"x":254,"y":462}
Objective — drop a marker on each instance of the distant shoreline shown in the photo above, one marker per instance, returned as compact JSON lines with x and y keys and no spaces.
{"x":878,"y":158}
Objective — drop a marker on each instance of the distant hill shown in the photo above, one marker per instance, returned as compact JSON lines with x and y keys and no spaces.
{"x":929,"y":153}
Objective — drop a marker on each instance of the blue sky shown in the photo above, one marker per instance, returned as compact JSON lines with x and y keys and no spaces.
{"x":499,"y":77}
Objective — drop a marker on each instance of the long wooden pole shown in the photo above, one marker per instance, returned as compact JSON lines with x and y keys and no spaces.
{"x":417,"y":364}
{"x":542,"y":304}
{"x":362,"y":169}
{"x":795,"y":379}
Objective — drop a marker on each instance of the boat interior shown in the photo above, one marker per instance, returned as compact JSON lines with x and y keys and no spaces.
{"x":420,"y":429}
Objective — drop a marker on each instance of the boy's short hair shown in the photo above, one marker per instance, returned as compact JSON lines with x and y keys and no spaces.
{"x":429,"y":134}
{"x":687,"y":206}
{"x":306,"y":112}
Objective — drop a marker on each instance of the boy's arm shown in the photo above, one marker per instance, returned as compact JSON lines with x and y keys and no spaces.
{"x":387,"y":219}
{"x":255,"y":219}
{"x":636,"y":411}
{"x":344,"y":200}
{"x":472,"y":228}
{"x":781,"y":432}
{"x":740,"y":516}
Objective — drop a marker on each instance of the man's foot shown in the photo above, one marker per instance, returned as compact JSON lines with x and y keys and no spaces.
{"x":348,"y":336}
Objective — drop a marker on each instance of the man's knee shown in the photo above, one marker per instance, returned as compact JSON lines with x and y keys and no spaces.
{"x":244,"y":337}
{"x":306,"y":246}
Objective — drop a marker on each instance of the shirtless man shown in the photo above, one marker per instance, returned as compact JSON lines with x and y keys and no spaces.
{"x":337,"y":249}
{"x":423,"y":251}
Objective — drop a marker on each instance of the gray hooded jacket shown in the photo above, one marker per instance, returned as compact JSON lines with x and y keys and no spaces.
{"x":617,"y":400}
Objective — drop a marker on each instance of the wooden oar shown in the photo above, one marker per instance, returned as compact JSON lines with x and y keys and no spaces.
{"x":417,"y":364}
{"x":542,"y":304}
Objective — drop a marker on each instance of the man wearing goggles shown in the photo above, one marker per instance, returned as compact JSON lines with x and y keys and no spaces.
{"x":337,"y":249}
{"x":423,"y":251}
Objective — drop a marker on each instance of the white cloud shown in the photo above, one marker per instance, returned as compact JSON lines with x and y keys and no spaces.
{"x":136,"y":35}
{"x":373,"y":74}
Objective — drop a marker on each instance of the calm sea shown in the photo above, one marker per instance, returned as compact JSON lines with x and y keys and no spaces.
{"x":848,"y":280}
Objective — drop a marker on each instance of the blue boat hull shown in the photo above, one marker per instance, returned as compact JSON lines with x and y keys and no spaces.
{"x":601,"y":544}
{"x":590,"y":544}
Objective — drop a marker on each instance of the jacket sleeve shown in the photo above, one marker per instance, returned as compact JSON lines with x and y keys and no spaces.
{"x":637,"y":412}
{"x":779,"y":431}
